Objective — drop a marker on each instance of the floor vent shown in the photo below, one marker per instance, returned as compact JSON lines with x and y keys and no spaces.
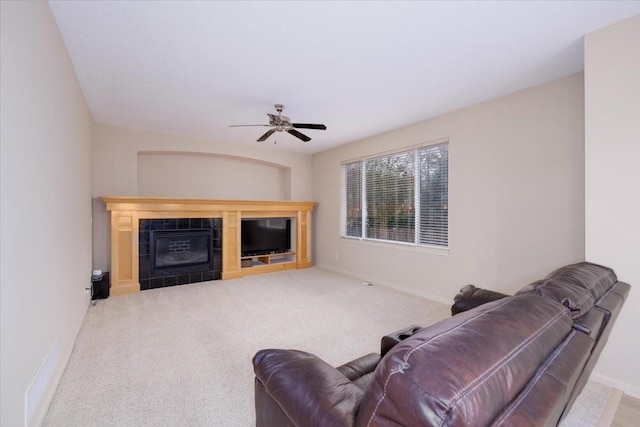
{"x":40,"y":383}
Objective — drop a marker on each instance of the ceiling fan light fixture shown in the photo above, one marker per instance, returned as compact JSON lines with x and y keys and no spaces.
{"x":282,"y":123}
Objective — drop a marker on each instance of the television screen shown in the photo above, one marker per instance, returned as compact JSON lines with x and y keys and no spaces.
{"x":265,"y":236}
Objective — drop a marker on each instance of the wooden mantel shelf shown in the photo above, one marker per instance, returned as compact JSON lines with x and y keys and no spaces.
{"x":126,"y":212}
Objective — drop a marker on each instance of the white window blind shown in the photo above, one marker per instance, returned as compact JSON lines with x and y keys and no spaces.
{"x":352,"y":199}
{"x":434,"y":195}
{"x":390,"y":186}
{"x":399,"y":197}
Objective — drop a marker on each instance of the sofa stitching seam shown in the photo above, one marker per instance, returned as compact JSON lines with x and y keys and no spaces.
{"x":508,"y":357}
{"x":535,"y":378}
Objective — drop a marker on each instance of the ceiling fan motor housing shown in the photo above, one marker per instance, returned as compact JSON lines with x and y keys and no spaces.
{"x":281,"y":122}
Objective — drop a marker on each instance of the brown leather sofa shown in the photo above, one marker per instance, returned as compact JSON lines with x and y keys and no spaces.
{"x":518,"y":360}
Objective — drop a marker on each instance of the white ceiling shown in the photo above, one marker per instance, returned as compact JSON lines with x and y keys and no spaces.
{"x":359,"y":67}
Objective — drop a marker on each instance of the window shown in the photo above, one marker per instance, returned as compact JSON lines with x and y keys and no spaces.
{"x":399,"y":197}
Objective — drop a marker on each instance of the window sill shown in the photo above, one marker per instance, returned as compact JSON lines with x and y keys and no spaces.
{"x":433,"y":250}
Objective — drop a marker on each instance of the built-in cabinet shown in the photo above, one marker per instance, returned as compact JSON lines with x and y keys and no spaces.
{"x":126,"y":213}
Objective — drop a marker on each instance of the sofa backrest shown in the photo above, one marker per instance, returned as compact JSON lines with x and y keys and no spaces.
{"x":465,"y":370}
{"x":597,"y":279}
{"x":576,"y":286}
{"x":545,"y":397}
{"x":598,"y":327}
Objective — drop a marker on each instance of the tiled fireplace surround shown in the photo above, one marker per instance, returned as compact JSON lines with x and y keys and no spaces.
{"x":144,"y":245}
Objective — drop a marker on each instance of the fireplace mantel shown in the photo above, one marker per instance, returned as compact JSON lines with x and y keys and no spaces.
{"x":126,"y":212}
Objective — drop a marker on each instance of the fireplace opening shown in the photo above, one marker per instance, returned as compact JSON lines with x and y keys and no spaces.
{"x":180,"y":251}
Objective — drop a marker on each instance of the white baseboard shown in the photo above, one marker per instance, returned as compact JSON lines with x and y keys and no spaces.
{"x":377,"y":281}
{"x":620,"y":385}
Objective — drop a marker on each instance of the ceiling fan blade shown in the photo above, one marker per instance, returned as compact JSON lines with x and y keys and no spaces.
{"x":240,"y":126}
{"x":297,"y":134}
{"x":308,"y":126}
{"x":266,"y":135}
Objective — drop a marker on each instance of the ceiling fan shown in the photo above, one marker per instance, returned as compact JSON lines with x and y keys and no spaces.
{"x":282,"y":123}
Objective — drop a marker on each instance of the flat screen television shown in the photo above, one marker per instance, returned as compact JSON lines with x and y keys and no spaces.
{"x":265,"y":236}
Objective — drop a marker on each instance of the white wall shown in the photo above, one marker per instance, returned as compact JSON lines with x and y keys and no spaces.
{"x":202,"y":176}
{"x":516,"y":187}
{"x":125,"y":162}
{"x":46,"y":205}
{"x":612,"y":156}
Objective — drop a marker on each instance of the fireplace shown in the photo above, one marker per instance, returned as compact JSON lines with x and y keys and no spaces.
{"x":180,"y":251}
{"x":177,"y":251}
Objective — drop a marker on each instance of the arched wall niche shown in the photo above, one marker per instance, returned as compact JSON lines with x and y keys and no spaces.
{"x":186,"y":174}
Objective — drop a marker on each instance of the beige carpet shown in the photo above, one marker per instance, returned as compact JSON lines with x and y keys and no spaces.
{"x":596,"y":406}
{"x":181,"y":356}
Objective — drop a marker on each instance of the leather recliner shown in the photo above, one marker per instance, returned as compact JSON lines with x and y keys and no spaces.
{"x":517,"y":360}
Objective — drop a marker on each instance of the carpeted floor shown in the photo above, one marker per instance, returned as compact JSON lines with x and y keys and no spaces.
{"x":588,"y":408}
{"x":181,"y":356}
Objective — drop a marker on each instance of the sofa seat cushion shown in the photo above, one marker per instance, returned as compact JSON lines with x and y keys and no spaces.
{"x":360,"y":366}
{"x":465,"y":369}
{"x":360,"y":370}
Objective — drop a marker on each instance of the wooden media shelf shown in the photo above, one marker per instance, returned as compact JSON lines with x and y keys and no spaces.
{"x":268,"y":259}
{"x":270,"y":262}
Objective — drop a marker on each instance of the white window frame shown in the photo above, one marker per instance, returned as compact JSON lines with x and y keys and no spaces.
{"x":432,"y":248}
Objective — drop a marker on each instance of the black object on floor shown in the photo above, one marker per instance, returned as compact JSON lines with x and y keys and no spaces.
{"x":100,"y":286}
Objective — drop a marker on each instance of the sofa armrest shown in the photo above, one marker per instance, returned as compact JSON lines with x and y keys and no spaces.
{"x":310,"y":391}
{"x":359,"y":367}
{"x":470,"y":297}
{"x":390,"y":340}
